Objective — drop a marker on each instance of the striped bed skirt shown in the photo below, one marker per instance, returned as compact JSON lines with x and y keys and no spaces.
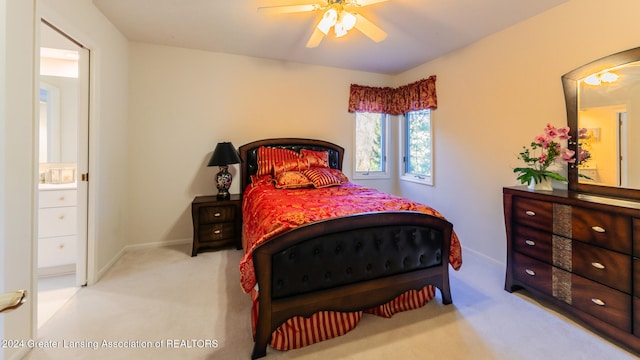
{"x":300,"y":331}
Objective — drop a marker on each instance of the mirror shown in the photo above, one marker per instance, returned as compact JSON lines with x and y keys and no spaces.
{"x":603,"y":99}
{"x":58,"y":108}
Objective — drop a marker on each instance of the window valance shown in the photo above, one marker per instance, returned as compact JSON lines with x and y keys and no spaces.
{"x":419,"y":95}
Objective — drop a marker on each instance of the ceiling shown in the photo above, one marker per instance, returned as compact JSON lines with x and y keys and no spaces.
{"x":418,"y":30}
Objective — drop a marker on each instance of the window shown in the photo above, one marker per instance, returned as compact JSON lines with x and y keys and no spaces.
{"x":371,"y":146}
{"x":417,"y":152}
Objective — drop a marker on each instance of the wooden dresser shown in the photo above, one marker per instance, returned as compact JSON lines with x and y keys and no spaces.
{"x":579,"y":252}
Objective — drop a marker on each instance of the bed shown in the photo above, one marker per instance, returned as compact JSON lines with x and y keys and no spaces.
{"x":317,"y":257}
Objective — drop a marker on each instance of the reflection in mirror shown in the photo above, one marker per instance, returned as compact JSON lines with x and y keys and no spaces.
{"x":58,"y":110}
{"x":603,"y":97}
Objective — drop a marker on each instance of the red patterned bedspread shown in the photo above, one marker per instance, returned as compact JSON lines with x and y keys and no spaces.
{"x":268,"y":211}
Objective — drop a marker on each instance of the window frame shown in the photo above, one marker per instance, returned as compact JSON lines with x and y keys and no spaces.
{"x":404,"y":136}
{"x":371,"y":175}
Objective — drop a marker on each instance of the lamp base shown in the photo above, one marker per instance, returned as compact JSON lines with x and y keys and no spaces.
{"x":223,"y":182}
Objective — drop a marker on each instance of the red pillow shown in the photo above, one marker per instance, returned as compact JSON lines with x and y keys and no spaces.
{"x":268,"y":156}
{"x":322,"y":177}
{"x":316,"y":158}
{"x":339,"y":174}
{"x":297,"y":164}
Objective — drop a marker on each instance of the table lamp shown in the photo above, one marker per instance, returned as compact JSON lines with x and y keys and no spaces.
{"x":223,"y":155}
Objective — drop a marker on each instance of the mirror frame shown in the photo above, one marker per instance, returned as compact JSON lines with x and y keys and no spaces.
{"x":570,"y":86}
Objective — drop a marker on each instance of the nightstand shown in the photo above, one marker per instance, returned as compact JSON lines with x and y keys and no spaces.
{"x":217,"y":223}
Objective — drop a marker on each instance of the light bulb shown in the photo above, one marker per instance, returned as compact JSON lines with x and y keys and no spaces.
{"x":329,"y":19}
{"x":592,"y":80}
{"x":348,"y":20}
{"x":608,"y":77}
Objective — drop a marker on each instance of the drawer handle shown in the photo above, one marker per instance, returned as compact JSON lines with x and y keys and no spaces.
{"x":61,"y":246}
{"x":530,"y":213}
{"x":597,"y":265}
{"x":598,"y":229}
{"x":61,"y":217}
{"x":61,"y":198}
{"x":217,"y":232}
{"x":530,"y":242}
{"x":598,"y":302}
{"x":530,"y":272}
{"x":217,"y":214}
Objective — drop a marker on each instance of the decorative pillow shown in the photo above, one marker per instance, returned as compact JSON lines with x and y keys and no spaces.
{"x":321,"y":177}
{"x":268,"y":156}
{"x":316,"y":158}
{"x":339,"y":174}
{"x":297,"y":164}
{"x":292,"y":180}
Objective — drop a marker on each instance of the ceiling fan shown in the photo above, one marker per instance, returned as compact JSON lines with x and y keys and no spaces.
{"x":340,"y":14}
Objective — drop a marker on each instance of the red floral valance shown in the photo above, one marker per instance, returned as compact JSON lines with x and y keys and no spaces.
{"x":419,"y":95}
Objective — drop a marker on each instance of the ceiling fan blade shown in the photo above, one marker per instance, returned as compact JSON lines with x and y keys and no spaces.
{"x":366,"y":2}
{"x":370,"y":29}
{"x":316,"y":38}
{"x":296,"y":6}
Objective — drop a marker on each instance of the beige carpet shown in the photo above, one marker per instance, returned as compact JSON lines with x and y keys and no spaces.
{"x":160,"y":303}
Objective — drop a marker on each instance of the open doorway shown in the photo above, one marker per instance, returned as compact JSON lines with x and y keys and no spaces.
{"x":62,"y":166}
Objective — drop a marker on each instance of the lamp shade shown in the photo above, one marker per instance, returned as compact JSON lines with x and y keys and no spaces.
{"x":224,"y":154}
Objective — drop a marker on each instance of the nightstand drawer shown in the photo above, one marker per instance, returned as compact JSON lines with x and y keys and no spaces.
{"x":216,"y":214}
{"x":214,"y":232}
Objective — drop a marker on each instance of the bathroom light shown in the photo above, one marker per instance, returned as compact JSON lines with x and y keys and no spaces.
{"x":597,"y":79}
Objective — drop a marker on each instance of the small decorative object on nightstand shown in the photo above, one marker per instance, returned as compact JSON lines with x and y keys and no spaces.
{"x":224,"y":155}
{"x":217,"y":223}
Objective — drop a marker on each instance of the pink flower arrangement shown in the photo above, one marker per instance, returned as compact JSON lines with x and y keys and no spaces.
{"x":546,"y":149}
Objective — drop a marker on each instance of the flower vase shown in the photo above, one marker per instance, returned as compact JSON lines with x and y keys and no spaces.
{"x":543,"y":185}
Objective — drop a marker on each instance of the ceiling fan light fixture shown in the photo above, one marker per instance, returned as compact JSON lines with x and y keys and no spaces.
{"x":329,"y":19}
{"x":347,"y":19}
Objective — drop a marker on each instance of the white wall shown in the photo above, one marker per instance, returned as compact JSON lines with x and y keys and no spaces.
{"x":495,"y":95}
{"x":183,"y":102}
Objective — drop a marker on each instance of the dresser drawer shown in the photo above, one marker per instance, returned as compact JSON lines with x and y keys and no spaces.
{"x":604,"y":266}
{"x":214,"y":232}
{"x":533,"y":273}
{"x":216,"y":214}
{"x":534,"y":243}
{"x":602,"y":302}
{"x":55,"y":198}
{"x":610,"y":231}
{"x":60,"y":221}
{"x":56,"y":251}
{"x":533,"y":213}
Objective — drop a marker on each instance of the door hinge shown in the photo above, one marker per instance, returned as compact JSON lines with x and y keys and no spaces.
{"x":84,"y":177}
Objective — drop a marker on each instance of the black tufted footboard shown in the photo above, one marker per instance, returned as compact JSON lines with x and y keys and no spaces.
{"x":348,"y":264}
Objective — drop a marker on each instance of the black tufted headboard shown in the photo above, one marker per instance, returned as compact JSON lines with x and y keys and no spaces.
{"x":248,"y":153}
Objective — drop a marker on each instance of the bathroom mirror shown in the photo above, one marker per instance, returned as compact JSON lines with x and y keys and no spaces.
{"x":603,"y":99}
